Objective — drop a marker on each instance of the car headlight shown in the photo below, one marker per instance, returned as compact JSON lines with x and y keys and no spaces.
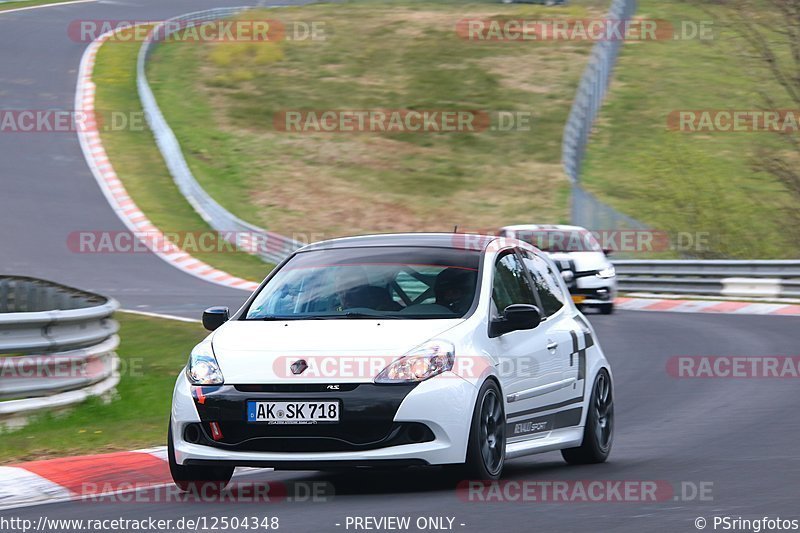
{"x":606,"y":273}
{"x":421,"y":363}
{"x":203,"y":368}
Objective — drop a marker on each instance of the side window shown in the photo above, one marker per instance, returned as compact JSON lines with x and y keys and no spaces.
{"x":510,"y":285}
{"x":546,"y":283}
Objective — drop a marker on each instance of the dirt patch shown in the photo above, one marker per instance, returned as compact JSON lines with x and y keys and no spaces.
{"x":313,"y":198}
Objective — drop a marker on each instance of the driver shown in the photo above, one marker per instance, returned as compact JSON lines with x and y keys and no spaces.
{"x":346,"y":280}
{"x":455,"y":289}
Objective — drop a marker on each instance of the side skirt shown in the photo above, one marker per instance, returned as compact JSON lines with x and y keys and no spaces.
{"x":556,"y":440}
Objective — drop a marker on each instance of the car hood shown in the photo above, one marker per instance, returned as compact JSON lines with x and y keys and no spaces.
{"x":336,"y":351}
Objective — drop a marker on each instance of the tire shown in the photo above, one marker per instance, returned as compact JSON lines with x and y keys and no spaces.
{"x":196,"y":477}
{"x":606,"y":309}
{"x":486,"y":448}
{"x":598,"y":435}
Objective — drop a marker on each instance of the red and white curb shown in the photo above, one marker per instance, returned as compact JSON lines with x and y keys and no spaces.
{"x":114,"y":191}
{"x":91,"y":477}
{"x":673,"y":305}
{"x":78,"y":478}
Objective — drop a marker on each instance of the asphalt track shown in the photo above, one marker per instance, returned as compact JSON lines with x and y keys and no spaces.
{"x":741,"y":435}
{"x":46,"y":188}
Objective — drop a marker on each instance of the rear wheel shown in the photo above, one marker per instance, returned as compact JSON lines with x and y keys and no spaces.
{"x":196,"y":477}
{"x":486,"y":449}
{"x":598,"y":435}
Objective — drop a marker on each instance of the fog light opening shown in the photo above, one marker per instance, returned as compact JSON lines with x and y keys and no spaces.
{"x":192,"y":434}
{"x":416,"y":434}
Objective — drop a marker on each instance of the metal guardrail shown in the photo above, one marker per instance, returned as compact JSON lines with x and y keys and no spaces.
{"x":586,"y":210}
{"x":57,"y":343}
{"x":270,"y":246}
{"x":756,"y":278}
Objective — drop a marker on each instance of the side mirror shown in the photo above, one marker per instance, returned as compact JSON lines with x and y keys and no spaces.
{"x":607,"y":252}
{"x":214,"y":317}
{"x":516,"y":317}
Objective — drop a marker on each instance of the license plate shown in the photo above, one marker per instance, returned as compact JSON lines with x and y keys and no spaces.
{"x":293,"y":412}
{"x":578,"y":298}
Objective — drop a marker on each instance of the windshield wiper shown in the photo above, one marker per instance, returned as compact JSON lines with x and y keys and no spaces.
{"x":277,"y":318}
{"x":348,"y":314}
{"x":357,"y":314}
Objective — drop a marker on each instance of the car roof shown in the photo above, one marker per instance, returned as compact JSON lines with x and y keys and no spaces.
{"x":543,"y":227}
{"x":456,"y":241}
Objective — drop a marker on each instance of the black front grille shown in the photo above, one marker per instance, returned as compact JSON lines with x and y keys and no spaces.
{"x":242,"y":436}
{"x":303,"y":387}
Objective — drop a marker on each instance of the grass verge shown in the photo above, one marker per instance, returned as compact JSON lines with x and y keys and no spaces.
{"x":221,"y":100}
{"x":690,"y":182}
{"x":139,"y":164}
{"x":29,"y":3}
{"x":152,"y":352}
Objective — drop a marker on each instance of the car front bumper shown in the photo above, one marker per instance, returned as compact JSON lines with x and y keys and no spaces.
{"x":593,"y":296}
{"x":423,"y":423}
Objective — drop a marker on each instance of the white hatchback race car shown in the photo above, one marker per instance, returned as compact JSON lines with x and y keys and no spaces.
{"x":590,"y":276}
{"x":395,"y":350}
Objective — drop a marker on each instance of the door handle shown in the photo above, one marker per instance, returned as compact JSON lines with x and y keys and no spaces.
{"x":552,"y":345}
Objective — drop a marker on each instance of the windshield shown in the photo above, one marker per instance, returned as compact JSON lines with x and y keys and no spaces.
{"x":561,"y":240}
{"x":388,"y":282}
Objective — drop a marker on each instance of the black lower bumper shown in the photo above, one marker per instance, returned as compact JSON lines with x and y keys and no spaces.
{"x":366,"y":419}
{"x":314,"y":465}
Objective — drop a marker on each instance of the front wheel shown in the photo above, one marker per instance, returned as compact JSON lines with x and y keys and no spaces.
{"x":196,"y":477}
{"x":486,"y":449}
{"x":606,"y":309}
{"x":598,"y":435}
